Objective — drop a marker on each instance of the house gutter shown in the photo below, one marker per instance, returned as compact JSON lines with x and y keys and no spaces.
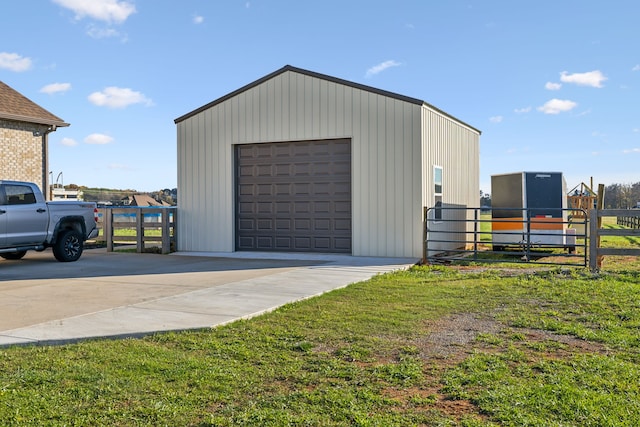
{"x":45,"y":158}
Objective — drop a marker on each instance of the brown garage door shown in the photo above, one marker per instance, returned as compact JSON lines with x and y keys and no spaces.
{"x":294,"y":196}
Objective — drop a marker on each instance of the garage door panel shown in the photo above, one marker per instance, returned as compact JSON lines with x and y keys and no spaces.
{"x":264,"y":224}
{"x":342,"y":208}
{"x":294,"y":196}
{"x":322,"y":207}
{"x":263,"y":243}
{"x":282,"y":189}
{"x":341,"y":168}
{"x":282,"y":169}
{"x":263,"y":170}
{"x":246,"y":242}
{"x":322,"y":225}
{"x":342,"y":225}
{"x":246,"y":190}
{"x":342,"y":244}
{"x":283,"y":208}
{"x":283,"y":224}
{"x":247,"y":224}
{"x":261,"y":150}
{"x":263,"y":208}
{"x":303,"y":243}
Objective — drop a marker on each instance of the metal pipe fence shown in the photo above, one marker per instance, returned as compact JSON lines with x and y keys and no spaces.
{"x":515,"y":235}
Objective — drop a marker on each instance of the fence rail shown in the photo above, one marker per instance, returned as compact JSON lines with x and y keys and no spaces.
{"x":595,"y":251}
{"x":473,"y":234}
{"x":146,"y":227}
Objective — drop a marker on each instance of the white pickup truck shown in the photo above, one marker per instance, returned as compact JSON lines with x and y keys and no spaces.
{"x":28,"y":222}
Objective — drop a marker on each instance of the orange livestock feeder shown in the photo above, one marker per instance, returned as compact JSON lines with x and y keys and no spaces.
{"x":529,"y":208}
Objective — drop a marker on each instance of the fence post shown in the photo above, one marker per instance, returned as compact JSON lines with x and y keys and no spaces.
{"x":475,"y":233}
{"x":594,"y":239}
{"x":166,"y":237}
{"x":424,"y":237}
{"x":139,"y":230}
{"x":108,"y":228}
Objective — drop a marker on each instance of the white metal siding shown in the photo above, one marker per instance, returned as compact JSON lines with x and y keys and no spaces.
{"x":389,"y":157}
{"x":456,"y":148}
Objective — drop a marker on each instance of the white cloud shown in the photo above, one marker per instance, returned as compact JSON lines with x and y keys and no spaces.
{"x":631,"y":151}
{"x":376,"y":69}
{"x":522,"y":110}
{"x":636,"y":129}
{"x":496,"y":119}
{"x":556,"y":106}
{"x":98,"y":139}
{"x":101,"y":10}
{"x":636,"y":68}
{"x":68,"y":142}
{"x":55,"y":88}
{"x":103,"y":33}
{"x":115,"y":97}
{"x":198,"y":19}
{"x":552,"y":86}
{"x":591,"y":78}
{"x":14,"y":62}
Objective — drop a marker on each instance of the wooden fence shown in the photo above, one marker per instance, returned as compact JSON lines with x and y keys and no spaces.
{"x":595,"y":251}
{"x":629,"y":221}
{"x":150,"y":227}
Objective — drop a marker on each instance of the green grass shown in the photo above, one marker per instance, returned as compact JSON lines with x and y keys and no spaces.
{"x":556,"y":347}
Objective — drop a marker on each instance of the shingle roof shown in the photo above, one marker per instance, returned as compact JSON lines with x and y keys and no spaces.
{"x":144,"y":200}
{"x":15,"y":106}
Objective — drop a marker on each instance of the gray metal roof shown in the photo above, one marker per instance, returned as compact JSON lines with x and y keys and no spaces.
{"x":323,"y":77}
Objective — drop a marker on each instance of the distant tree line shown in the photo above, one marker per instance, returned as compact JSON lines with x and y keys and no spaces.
{"x":485,"y":199}
{"x":622,"y":196}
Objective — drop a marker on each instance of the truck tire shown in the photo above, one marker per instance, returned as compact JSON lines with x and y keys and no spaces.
{"x":68,"y":246}
{"x":13,"y":255}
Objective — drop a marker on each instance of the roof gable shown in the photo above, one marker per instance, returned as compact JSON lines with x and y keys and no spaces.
{"x":15,"y":106}
{"x":322,"y":77}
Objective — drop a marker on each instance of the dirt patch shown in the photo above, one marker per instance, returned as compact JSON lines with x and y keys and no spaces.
{"x":454,"y":335}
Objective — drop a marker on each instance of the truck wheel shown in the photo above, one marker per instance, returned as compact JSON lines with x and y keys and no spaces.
{"x":68,"y":246}
{"x":13,"y":255}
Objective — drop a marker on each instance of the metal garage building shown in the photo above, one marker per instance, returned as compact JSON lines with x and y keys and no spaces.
{"x":300,"y":161}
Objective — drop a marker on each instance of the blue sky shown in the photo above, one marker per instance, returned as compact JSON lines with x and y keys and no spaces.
{"x":552,"y":85}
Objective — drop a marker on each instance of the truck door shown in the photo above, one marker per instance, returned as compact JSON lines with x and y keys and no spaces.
{"x":25,"y":220}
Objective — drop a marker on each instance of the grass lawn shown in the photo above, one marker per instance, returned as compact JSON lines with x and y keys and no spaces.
{"x":445,"y":346}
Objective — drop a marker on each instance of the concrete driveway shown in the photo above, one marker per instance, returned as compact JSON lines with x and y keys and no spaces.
{"x":111,"y":294}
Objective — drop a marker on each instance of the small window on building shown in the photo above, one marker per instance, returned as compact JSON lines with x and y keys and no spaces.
{"x":437,"y":193}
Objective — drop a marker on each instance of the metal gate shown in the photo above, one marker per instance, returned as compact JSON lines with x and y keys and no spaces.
{"x":472,"y":234}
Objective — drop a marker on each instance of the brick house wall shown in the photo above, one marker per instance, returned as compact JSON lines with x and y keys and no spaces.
{"x":21,"y":153}
{"x":24,"y":134}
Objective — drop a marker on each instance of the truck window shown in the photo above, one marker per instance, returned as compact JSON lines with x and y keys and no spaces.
{"x":19,"y":195}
